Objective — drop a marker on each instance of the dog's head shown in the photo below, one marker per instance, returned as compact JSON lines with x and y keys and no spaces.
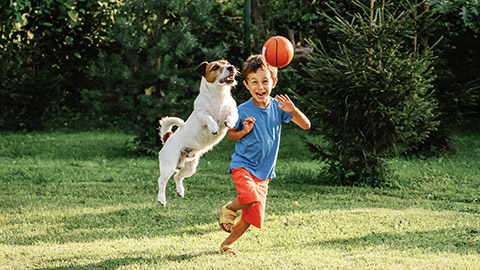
{"x":220,"y":72}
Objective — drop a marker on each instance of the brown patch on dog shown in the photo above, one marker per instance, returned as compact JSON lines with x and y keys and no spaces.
{"x":166,"y":136}
{"x":188,"y":153}
{"x":211,"y":71}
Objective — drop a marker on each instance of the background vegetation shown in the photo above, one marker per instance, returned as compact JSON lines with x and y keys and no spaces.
{"x":123,"y":64}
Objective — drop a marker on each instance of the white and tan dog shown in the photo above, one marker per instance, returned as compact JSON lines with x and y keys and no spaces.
{"x":213,"y":113}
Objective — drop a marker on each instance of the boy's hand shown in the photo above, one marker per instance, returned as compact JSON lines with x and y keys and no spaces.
{"x":298,"y":117}
{"x":248,"y":124}
{"x":234,"y":134}
{"x":286,"y":104}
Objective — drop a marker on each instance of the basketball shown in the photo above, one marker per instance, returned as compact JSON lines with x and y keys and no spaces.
{"x":278,"y":51}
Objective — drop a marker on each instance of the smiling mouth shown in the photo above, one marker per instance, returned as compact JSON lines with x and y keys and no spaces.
{"x":229,"y":79}
{"x":261,"y":95}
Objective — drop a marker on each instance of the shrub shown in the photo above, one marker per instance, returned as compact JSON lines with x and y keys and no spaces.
{"x":458,"y":84}
{"x":44,"y":49}
{"x":372,"y":97}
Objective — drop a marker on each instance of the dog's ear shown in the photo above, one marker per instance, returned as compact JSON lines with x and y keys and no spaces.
{"x":202,"y":68}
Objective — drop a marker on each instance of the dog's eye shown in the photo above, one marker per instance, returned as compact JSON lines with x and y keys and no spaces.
{"x":215,"y":67}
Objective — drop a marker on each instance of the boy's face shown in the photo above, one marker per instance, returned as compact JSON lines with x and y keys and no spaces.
{"x":260,"y":85}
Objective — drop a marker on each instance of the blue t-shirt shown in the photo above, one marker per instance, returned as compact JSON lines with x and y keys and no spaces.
{"x":257,"y":151}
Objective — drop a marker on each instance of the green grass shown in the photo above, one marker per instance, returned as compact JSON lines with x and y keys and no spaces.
{"x":81,"y":201}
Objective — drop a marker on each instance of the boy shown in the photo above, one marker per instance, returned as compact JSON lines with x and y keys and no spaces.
{"x":257,"y":133}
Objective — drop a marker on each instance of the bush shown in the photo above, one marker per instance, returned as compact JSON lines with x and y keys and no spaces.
{"x":458,"y":85}
{"x":372,"y":96}
{"x":44,"y":49}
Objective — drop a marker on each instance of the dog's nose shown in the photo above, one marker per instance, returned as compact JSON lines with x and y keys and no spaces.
{"x":230,"y":68}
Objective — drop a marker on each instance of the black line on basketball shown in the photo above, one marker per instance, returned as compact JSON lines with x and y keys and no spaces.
{"x":276,"y":52}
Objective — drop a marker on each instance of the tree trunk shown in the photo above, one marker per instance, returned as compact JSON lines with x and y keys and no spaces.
{"x":257,"y":18}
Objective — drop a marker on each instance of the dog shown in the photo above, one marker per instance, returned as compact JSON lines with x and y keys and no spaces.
{"x":214,"y":112}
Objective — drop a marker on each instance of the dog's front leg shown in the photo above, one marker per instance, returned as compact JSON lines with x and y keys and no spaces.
{"x":205,"y":119}
{"x":231,"y":119}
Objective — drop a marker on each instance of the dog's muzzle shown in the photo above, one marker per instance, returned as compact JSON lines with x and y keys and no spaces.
{"x":230,"y":78}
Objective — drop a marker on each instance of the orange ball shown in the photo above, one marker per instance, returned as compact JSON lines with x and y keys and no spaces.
{"x":278,"y":51}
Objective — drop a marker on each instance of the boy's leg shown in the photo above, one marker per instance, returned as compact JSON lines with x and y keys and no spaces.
{"x":238,"y":230}
{"x":235,"y":205}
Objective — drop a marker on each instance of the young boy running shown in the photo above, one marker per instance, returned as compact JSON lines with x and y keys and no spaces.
{"x":257,"y":133}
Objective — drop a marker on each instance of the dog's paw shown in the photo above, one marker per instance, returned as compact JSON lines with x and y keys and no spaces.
{"x":181,"y":193}
{"x":162,"y":203}
{"x":213,"y":128}
{"x":230,"y":121}
{"x":161,"y":199}
{"x":179,"y":185}
{"x":228,"y":125}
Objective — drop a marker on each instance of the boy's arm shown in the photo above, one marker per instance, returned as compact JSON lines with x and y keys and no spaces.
{"x":234,"y":134}
{"x":298,"y":117}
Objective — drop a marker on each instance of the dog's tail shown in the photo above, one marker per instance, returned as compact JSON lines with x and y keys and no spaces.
{"x":166,"y":124}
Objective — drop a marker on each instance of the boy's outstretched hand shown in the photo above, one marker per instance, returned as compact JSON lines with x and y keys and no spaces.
{"x":286,"y":103}
{"x":298,"y":117}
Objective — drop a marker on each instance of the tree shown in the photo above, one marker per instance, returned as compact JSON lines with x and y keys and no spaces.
{"x":372,"y":96}
{"x":44,"y":49}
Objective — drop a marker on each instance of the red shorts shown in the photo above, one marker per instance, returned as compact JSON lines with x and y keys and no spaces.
{"x":251,"y":189}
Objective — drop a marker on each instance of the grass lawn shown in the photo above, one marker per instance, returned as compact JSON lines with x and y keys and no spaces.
{"x":81,"y":201}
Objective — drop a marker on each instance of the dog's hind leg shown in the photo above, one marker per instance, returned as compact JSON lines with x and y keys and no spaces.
{"x":162,"y":183}
{"x":187,"y":171}
{"x":166,"y":170}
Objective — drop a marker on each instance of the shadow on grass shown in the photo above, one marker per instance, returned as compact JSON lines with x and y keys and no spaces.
{"x":451,"y":240}
{"x":311,"y":181}
{"x":127,"y":222}
{"x":84,"y":213}
{"x":105,"y":264}
{"x":58,"y":145}
{"x":122,"y":262}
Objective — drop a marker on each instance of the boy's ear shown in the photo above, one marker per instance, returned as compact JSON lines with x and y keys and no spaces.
{"x":202,"y":68}
{"x":246,"y":84}
{"x":274,"y":83}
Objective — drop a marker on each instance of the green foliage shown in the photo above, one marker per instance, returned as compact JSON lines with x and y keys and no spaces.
{"x":372,"y":96}
{"x":299,"y":20}
{"x":460,"y":12}
{"x":458,"y":86}
{"x":44,"y":47}
{"x":150,"y":73}
{"x":300,"y":17}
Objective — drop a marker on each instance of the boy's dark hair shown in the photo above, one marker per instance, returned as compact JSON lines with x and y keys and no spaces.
{"x":255,"y":62}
